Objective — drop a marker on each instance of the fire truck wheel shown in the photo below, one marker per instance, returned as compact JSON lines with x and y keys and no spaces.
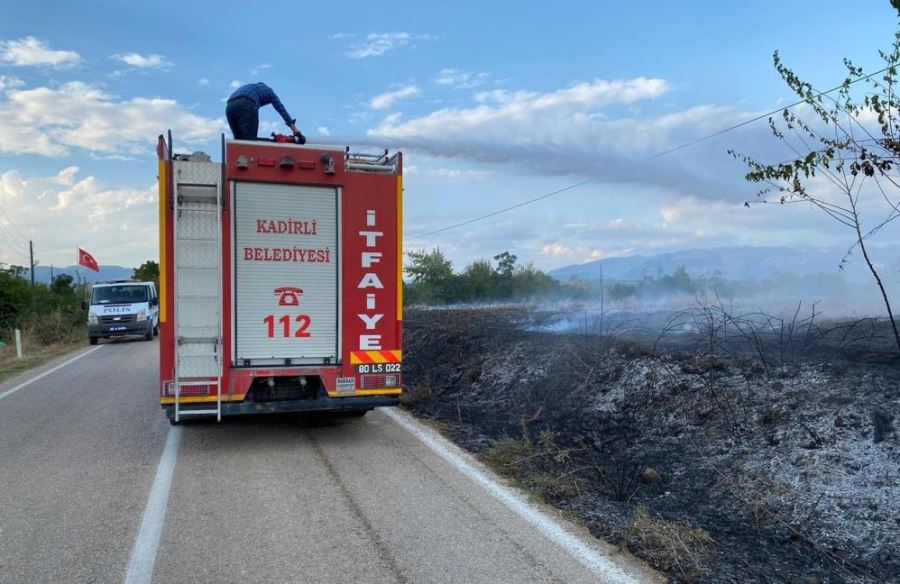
{"x":92,"y":340}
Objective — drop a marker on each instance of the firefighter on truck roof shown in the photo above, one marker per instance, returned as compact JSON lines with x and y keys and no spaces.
{"x":243,"y":106}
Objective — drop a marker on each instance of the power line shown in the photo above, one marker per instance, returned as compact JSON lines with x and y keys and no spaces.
{"x":11,"y":237}
{"x":10,"y":242}
{"x":653,"y":157}
{"x":522,"y":204}
{"x":11,"y":247}
{"x":12,"y":225}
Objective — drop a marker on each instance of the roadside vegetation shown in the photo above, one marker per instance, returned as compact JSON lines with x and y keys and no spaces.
{"x":844,"y":148}
{"x":147,"y":272}
{"x":432,"y":281}
{"x":49,"y":317}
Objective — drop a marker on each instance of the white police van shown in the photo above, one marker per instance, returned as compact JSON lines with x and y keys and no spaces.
{"x":122,"y":307}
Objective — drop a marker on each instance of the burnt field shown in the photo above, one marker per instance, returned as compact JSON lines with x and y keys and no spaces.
{"x":719,"y":448}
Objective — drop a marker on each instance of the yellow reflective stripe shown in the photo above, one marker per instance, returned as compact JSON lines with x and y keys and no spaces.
{"x":367,"y":392}
{"x":167,"y":401}
{"x":196,"y":399}
{"x":389,"y":391}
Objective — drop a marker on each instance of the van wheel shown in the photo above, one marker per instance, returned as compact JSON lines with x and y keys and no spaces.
{"x":156,"y":331}
{"x":92,"y":340}
{"x":149,"y":335}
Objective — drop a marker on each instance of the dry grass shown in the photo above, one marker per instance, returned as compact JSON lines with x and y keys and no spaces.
{"x":672,"y":546}
{"x":43,"y":339}
{"x":504,"y":454}
{"x":414,"y":395}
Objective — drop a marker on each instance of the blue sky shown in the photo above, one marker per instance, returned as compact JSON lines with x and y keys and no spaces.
{"x":492,"y":103}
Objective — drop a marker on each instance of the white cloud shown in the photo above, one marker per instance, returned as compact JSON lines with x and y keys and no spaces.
{"x":65,"y":210}
{"x":387,"y":99}
{"x":555,"y":249}
{"x":525,"y":113}
{"x":377,"y":44}
{"x":460,"y":79}
{"x":203,"y":81}
{"x":151,"y":61}
{"x":30,"y":51}
{"x":48,"y":121}
{"x":10,"y":83}
{"x":342,"y":35}
{"x":270,"y":127}
{"x":259,"y":68}
{"x":234,"y":84}
{"x":323,"y":131}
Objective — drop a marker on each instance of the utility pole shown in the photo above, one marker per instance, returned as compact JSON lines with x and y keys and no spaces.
{"x":31,"y":259}
{"x":51,"y":273}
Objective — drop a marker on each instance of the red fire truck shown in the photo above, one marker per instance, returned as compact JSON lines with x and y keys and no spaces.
{"x":280,"y":280}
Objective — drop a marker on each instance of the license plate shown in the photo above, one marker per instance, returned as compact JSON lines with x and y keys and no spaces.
{"x":379,"y":368}
{"x":117,"y":328}
{"x":346,"y":384}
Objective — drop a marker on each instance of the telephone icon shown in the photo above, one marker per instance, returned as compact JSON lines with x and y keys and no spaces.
{"x":288,"y":295}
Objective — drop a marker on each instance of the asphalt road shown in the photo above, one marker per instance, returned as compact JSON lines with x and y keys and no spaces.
{"x":257,"y":499}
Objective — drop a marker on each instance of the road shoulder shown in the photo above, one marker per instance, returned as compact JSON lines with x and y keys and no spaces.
{"x":13,"y":374}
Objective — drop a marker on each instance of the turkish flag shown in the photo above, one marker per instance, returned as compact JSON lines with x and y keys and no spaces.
{"x":87,"y":260}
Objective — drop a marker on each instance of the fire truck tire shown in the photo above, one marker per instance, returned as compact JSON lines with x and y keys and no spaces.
{"x":92,"y":340}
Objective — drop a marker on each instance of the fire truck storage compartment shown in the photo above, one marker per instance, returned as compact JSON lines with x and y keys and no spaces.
{"x":285,"y":274}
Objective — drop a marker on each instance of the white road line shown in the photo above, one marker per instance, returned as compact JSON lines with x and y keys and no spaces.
{"x":25,"y":384}
{"x":146,"y":544}
{"x":603,"y":565}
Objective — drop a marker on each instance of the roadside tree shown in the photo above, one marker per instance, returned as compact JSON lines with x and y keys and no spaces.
{"x":845,"y":149}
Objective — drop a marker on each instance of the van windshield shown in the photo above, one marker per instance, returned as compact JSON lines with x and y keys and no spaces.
{"x":126,"y":294}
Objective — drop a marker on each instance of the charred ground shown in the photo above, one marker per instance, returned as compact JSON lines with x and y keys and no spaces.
{"x":719,"y":448}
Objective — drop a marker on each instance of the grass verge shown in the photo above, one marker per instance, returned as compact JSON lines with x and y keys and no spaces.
{"x":10,"y":366}
{"x":677,"y":547}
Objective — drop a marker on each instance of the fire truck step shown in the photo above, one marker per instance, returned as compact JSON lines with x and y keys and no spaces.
{"x":182,"y":340}
{"x":184,"y":412}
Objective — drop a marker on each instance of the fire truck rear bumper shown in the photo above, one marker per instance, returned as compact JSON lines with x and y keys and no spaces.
{"x":321,"y":404}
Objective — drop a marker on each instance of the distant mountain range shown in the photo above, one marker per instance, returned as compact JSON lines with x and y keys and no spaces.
{"x":42,"y":273}
{"x":737,"y":263}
